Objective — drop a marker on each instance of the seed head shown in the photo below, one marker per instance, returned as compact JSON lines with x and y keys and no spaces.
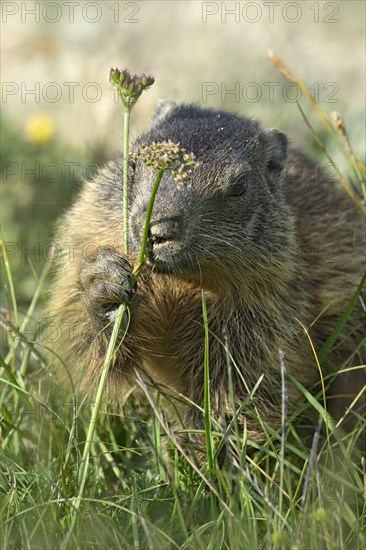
{"x":130,"y":87}
{"x":168,"y":156}
{"x":338,"y":123}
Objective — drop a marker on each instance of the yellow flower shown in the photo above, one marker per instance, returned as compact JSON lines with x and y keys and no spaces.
{"x":39,"y":128}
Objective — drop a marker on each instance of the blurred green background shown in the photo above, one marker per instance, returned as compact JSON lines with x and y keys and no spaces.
{"x":60,"y":117}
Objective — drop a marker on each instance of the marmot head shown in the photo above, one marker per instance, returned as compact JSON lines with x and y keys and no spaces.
{"x":233,"y":215}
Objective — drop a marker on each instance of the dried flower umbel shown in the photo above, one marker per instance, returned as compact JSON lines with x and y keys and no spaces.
{"x":168,"y":156}
{"x":130,"y":87}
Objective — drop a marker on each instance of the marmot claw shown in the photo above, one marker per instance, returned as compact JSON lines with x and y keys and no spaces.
{"x":105,"y":282}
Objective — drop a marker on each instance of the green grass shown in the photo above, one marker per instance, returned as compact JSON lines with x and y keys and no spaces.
{"x":299,"y":489}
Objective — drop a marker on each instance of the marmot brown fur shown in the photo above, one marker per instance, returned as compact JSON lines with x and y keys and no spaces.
{"x":274,"y":242}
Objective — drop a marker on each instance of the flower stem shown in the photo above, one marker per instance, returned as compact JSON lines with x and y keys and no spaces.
{"x":92,"y":424}
{"x":145,"y":237}
{"x":126,"y":133}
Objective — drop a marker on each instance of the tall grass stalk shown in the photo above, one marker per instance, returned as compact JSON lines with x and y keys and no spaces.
{"x":206,"y":390}
{"x":283,"y":430}
{"x":336,"y":131}
{"x":83,"y":468}
{"x":9,"y":278}
{"x":30,"y":311}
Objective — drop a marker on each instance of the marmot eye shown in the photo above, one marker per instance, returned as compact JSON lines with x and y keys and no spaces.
{"x":238,"y":187}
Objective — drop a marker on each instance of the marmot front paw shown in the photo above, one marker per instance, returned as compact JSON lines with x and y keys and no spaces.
{"x":105,"y":282}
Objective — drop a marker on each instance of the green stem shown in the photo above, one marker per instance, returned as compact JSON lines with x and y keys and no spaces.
{"x":9,"y":279}
{"x":206,"y":388}
{"x":91,"y":430}
{"x":98,"y":399}
{"x":30,"y":312}
{"x":126,"y":133}
{"x":145,"y":236}
{"x":283,"y":434}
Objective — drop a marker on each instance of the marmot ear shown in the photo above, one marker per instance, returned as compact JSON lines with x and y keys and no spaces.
{"x":163,"y":108}
{"x":275,"y":143}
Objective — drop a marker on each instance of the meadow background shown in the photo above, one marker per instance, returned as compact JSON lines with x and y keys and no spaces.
{"x":60,"y":119}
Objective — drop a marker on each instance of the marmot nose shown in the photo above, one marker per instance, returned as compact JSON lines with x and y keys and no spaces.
{"x":165,"y":229}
